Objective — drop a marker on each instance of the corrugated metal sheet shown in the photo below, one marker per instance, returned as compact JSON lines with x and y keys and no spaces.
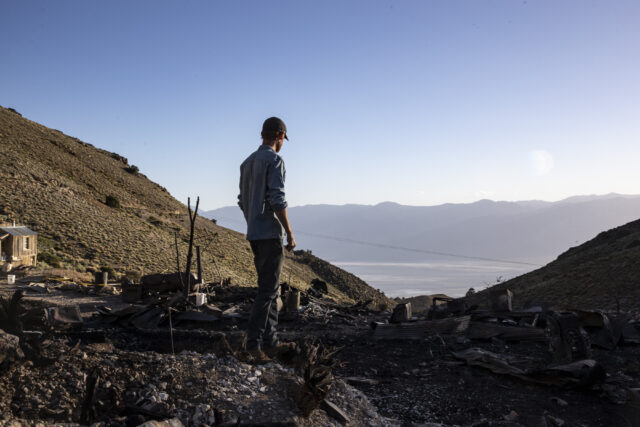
{"x":18,"y":231}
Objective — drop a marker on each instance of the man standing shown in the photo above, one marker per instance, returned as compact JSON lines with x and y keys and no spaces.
{"x":263,"y":204}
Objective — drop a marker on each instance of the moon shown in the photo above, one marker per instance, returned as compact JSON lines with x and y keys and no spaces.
{"x":541,"y":162}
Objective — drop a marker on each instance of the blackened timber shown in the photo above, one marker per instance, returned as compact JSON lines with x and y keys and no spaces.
{"x":486,"y":330}
{"x":175,"y":235}
{"x":501,"y":300}
{"x":199,"y":265}
{"x":401,"y":313}
{"x":333,"y":411}
{"x":421,"y":329}
{"x":292,"y":303}
{"x":88,"y":412}
{"x":455,"y":326}
{"x":192,"y":224}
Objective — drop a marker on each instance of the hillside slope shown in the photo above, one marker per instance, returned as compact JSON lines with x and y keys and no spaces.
{"x":600,"y":273}
{"x":58,"y":185}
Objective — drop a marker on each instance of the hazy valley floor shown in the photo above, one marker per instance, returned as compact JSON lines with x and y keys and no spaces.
{"x":454,"y":278}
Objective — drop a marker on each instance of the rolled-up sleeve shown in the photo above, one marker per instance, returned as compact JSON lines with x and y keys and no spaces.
{"x":275,"y":185}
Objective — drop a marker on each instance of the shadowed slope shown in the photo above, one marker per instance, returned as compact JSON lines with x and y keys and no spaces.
{"x":601,"y":273}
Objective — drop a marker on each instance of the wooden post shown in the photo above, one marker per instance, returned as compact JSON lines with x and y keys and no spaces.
{"x":105,"y":278}
{"x":501,"y":300}
{"x":175,"y":236}
{"x":192,"y":224}
{"x":173,"y":352}
{"x":401,"y":313}
{"x":293,"y":300}
{"x":199,"y":265}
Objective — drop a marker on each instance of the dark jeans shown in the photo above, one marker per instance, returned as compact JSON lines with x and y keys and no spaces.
{"x":268,"y":257}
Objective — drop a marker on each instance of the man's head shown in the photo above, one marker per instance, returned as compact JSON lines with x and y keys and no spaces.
{"x":274,"y":132}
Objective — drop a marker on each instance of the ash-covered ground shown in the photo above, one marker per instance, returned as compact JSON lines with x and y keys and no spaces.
{"x":193,"y":372}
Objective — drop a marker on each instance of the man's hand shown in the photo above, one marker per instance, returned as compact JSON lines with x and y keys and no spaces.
{"x":291,"y":242}
{"x":284,"y":220}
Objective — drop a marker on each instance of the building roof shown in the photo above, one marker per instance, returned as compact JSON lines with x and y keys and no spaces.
{"x":18,"y":231}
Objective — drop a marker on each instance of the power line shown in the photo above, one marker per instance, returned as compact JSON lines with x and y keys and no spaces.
{"x":401,"y":248}
{"x":423,"y":251}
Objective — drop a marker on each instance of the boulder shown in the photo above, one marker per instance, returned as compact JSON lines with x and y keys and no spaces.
{"x":9,"y":347}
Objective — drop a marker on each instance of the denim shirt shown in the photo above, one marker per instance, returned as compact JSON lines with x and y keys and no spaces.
{"x":262,"y":193}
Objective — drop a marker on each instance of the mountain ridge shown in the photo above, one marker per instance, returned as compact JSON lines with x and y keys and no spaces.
{"x":528,"y":231}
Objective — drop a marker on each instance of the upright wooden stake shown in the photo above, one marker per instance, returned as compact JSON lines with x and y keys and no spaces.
{"x":192,"y":224}
{"x":199,"y":265}
{"x":175,"y":236}
{"x":173,"y":352}
{"x":293,"y":300}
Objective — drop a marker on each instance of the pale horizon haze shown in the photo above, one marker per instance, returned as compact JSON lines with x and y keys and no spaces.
{"x":415,"y":102}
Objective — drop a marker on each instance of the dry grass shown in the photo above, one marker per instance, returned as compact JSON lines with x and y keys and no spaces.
{"x":601,"y":273}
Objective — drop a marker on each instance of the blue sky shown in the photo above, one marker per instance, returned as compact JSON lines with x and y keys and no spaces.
{"x":417,"y":102}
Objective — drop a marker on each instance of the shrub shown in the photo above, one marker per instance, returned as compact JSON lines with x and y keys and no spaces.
{"x":133,"y":276}
{"x":155,"y":221}
{"x":50,"y":259}
{"x":112,"y":202}
{"x":304,"y":256}
{"x":213,"y":220}
{"x":109,"y":270}
{"x":45,"y":242}
{"x":133,"y":170}
{"x":119,"y":158}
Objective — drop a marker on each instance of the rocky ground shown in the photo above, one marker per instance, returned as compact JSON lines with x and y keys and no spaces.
{"x":108,"y":372}
{"x":135,"y":386}
{"x":420,"y":382}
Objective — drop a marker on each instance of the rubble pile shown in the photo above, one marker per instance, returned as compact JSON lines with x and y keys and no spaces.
{"x":133,"y":387}
{"x":158,"y":356}
{"x":131,"y":365}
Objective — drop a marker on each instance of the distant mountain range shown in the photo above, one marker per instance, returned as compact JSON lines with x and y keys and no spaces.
{"x":527,"y":231}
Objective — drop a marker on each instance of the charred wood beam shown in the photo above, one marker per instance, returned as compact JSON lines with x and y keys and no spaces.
{"x":421,"y":329}
{"x":88,"y":412}
{"x":192,"y":225}
{"x":485,"y":330}
{"x":199,"y":264}
{"x":333,"y":411}
{"x":175,"y":236}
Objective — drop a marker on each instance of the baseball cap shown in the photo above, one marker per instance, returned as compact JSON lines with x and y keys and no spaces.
{"x":274,"y":124}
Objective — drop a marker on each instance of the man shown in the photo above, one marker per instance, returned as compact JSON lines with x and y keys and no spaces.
{"x":264,"y":206}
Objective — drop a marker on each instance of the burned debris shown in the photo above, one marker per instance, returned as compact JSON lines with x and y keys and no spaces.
{"x":169,"y":349}
{"x":104,"y":352}
{"x":561,"y":348}
{"x":166,"y":348}
{"x":569,"y":334}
